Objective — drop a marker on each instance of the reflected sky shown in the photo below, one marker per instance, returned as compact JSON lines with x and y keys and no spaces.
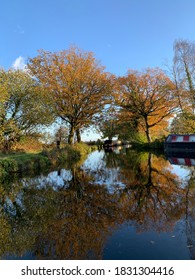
{"x":115,"y":205}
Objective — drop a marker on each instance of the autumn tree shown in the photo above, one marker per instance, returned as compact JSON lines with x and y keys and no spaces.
{"x":147,"y":97}
{"x":183,"y":72}
{"x":21,"y":107}
{"x":184,"y":69}
{"x":153,"y":192}
{"x":75,"y":83}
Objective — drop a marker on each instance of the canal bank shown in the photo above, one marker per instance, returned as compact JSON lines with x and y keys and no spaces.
{"x":31,"y":162}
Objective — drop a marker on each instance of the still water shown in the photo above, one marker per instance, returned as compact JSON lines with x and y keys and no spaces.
{"x":114,"y":205}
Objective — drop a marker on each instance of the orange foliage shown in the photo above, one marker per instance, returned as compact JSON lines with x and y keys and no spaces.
{"x":154,"y":196}
{"x":147,"y":96}
{"x":75,"y":83}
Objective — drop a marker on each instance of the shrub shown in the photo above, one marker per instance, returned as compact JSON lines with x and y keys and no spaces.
{"x":28,"y":144}
{"x":7,"y":166}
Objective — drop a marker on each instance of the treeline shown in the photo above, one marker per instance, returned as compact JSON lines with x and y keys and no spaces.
{"x":72,"y":86}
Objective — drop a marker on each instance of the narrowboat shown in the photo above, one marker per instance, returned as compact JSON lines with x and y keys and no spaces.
{"x":185,"y":161}
{"x":180,"y":142}
{"x":111,"y":143}
{"x":180,"y":149}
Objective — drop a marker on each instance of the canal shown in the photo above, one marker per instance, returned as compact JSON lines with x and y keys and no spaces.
{"x":121,"y":204}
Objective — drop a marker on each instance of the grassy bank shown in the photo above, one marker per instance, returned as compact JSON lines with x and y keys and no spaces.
{"x":33,"y":162}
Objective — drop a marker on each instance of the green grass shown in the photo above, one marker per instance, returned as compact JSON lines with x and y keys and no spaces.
{"x":22,"y":163}
{"x":33,"y":162}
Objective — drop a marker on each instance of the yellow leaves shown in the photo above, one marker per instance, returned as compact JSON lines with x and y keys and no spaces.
{"x":3,"y":88}
{"x":74,"y":81}
{"x":148,"y":96}
{"x":3,"y":93}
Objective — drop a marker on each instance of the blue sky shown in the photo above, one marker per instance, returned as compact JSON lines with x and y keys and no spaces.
{"x":122,"y":33}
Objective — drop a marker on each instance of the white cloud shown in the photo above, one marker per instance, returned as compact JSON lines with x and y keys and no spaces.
{"x":19,"y":63}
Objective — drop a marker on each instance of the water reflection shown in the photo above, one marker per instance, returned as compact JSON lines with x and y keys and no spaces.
{"x":86,"y":212}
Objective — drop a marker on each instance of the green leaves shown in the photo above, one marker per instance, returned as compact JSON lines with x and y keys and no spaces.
{"x":22,"y":107}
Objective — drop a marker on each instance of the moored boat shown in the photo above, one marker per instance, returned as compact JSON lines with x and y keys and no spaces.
{"x":180,"y":142}
{"x":111,"y":143}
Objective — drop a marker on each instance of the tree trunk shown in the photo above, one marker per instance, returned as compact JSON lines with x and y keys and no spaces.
{"x":71,"y":135}
{"x":78,"y":134}
{"x":190,"y":84}
{"x":149,"y":182}
{"x":147,"y":131}
{"x":58,"y":144}
{"x":148,"y":135}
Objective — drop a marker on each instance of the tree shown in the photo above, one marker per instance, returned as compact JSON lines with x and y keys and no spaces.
{"x":21,"y":107}
{"x":108,"y":128}
{"x":147,"y":97}
{"x":115,"y":124}
{"x":75,"y":83}
{"x":61,"y":135}
{"x":183,"y":71}
{"x":183,"y":123}
{"x":107,"y":123}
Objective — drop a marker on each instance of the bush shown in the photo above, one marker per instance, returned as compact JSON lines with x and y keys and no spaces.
{"x":7,"y":166}
{"x":28,"y":144}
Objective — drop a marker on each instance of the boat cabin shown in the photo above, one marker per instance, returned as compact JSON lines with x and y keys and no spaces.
{"x":180,"y":142}
{"x":111,"y":143}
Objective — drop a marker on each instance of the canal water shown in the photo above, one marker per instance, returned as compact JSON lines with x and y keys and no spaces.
{"x":117,"y":204}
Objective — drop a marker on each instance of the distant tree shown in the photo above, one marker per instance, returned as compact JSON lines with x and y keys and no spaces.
{"x":21,"y":107}
{"x":128,"y":131}
{"x":107,"y":123}
{"x":61,"y":135}
{"x":117,"y":124}
{"x":47,"y":138}
{"x":148,"y":98}
{"x":75,"y":83}
{"x":108,"y":128}
{"x":183,"y":123}
{"x":183,"y":71}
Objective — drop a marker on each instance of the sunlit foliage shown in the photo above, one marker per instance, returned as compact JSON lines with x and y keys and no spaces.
{"x":148,"y":97}
{"x":21,"y":107}
{"x":75,"y":83}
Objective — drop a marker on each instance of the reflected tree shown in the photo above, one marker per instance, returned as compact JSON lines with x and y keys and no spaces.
{"x":71,"y":223}
{"x":153,"y":195}
{"x":190,"y":213}
{"x":75,"y":219}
